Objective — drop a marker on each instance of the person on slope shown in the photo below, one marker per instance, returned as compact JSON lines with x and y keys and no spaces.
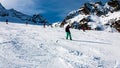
{"x":6,"y":21}
{"x":68,"y":33}
{"x":26,"y":23}
{"x":44,"y":24}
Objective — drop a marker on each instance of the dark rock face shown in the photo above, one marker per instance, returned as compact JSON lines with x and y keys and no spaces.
{"x":116,"y":25}
{"x":115,"y":4}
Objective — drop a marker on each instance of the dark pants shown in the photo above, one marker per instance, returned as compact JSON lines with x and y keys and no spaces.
{"x":68,"y":34}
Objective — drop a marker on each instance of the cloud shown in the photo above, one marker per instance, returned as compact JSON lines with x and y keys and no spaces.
{"x":8,"y":3}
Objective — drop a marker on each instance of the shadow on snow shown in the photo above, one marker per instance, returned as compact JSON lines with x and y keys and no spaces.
{"x":90,"y":41}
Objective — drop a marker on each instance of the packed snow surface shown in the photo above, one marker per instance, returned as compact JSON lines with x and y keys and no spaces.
{"x":32,"y":46}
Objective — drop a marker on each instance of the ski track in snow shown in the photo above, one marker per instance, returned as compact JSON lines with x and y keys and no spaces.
{"x":33,"y":46}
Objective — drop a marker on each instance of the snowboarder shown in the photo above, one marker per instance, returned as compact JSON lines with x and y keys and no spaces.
{"x":6,"y":21}
{"x":68,"y":33}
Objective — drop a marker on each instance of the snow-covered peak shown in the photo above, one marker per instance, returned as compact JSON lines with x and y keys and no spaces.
{"x":3,"y":11}
{"x":97,"y":15}
{"x":1,"y":7}
{"x":38,"y":18}
{"x":16,"y":16}
{"x":13,"y":10}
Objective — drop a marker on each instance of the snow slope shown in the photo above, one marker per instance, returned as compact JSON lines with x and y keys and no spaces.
{"x":32,"y":46}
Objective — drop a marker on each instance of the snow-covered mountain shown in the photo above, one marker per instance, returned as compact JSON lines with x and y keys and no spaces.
{"x":98,"y":15}
{"x":3,"y":11}
{"x":32,"y":46}
{"x":15,"y":16}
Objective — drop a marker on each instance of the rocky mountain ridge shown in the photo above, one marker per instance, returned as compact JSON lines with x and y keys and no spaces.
{"x":97,"y":15}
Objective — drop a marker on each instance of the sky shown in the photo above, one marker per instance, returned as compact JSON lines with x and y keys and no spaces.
{"x":52,"y":10}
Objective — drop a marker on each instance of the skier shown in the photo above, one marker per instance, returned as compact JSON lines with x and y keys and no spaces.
{"x":68,"y":33}
{"x":44,"y":24}
{"x":6,"y":21}
{"x":26,"y":23}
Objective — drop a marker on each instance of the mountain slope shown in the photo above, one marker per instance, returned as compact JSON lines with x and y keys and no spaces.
{"x":1,"y":7}
{"x":98,"y":16}
{"x":15,"y":16}
{"x":3,"y":11}
{"x":23,"y":46}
